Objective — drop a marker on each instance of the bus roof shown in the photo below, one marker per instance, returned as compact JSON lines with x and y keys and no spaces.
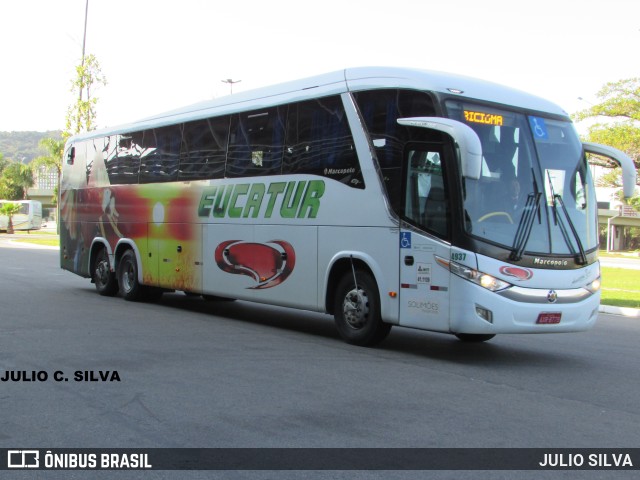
{"x":351,"y":79}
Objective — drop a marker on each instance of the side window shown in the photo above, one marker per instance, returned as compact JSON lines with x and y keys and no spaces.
{"x":319,"y":142}
{"x":426,"y":199}
{"x":204,"y":149}
{"x":94,"y":154}
{"x":74,"y":171}
{"x":160,"y":154}
{"x":380,"y":110}
{"x":71,"y":155}
{"x":122,"y":159}
{"x":256,"y":143}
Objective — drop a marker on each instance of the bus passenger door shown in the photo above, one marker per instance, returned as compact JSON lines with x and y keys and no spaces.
{"x":424,"y":285}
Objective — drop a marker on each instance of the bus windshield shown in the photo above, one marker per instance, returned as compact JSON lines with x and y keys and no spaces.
{"x":535,"y":193}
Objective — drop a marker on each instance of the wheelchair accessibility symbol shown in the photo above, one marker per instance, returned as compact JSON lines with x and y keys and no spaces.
{"x":539,"y":128}
{"x":405,"y":240}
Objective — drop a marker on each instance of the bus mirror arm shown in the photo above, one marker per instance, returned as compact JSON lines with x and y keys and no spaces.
{"x":465,"y":137}
{"x":622,"y":159}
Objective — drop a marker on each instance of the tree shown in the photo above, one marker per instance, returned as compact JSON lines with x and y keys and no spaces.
{"x":15,"y":180}
{"x":10,"y":209}
{"x":54,"y":149}
{"x":3,"y":162}
{"x":81,"y":116}
{"x":620,"y":106}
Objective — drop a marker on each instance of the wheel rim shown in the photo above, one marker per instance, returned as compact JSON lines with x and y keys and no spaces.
{"x":128,"y":278}
{"x":102,"y":272}
{"x":355,"y":308}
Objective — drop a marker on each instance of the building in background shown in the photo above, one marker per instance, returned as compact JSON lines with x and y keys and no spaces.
{"x":616,"y":220}
{"x":44,"y":190}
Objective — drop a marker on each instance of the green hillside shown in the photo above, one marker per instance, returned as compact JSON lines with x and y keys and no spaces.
{"x":17,"y":146}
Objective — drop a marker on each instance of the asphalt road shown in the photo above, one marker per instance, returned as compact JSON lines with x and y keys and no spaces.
{"x":235,"y":374}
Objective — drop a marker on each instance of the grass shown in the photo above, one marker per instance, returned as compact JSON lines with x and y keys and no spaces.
{"x":54,"y":241}
{"x":620,"y":287}
{"x":38,"y":237}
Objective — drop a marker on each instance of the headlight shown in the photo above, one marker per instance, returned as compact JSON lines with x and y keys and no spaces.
{"x":492,"y":283}
{"x":594,"y":286}
{"x":479,"y":278}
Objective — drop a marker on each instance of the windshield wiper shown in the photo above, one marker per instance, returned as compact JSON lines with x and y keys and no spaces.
{"x":563,"y":229}
{"x":558,"y":221}
{"x":531,"y":208}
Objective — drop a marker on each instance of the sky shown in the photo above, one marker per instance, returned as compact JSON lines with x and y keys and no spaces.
{"x":158,"y":55}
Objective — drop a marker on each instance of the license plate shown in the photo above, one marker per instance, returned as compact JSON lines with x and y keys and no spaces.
{"x":548,"y":318}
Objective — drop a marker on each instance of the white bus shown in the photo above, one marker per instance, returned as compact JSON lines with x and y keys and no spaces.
{"x":29,"y":217}
{"x":381,"y":196}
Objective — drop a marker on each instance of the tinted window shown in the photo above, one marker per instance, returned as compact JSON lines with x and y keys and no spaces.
{"x":426,"y":200}
{"x":256,"y":143}
{"x":380,"y":110}
{"x":204,"y":149}
{"x":319,"y":142}
{"x":95,"y":152}
{"x":160,"y":154}
{"x":123,"y":158}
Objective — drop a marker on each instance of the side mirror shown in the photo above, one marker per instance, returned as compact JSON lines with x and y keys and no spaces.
{"x":464,"y":136}
{"x":622,"y":159}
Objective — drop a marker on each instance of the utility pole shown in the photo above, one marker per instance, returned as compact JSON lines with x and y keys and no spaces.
{"x":228,"y":80}
{"x":84,"y":38}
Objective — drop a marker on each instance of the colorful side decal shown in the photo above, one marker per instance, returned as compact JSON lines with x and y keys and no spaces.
{"x":268,"y":264}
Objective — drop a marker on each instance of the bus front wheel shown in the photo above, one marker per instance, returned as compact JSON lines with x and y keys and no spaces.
{"x":130,"y":288}
{"x":357,"y":310}
{"x":103,"y":278}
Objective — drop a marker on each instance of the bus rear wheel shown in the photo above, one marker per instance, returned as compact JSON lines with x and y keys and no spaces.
{"x":103,"y":278}
{"x":357,"y":310}
{"x":130,"y":288}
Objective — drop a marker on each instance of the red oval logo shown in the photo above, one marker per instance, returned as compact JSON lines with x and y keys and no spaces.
{"x":516,"y":272}
{"x":268,"y":264}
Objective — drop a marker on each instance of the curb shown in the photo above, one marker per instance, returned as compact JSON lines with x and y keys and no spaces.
{"x":623,"y":311}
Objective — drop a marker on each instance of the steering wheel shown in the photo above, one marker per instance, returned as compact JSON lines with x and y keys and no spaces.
{"x":495,"y":214}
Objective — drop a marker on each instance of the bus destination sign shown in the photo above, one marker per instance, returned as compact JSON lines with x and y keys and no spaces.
{"x":484,"y":118}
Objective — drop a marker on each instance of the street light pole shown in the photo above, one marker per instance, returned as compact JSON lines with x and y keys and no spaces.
{"x":84,"y":38}
{"x":229,"y":81}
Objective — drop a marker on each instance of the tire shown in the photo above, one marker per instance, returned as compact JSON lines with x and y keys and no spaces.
{"x":104,"y":279}
{"x":357,"y":311}
{"x":130,"y":288}
{"x":474,"y":337}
